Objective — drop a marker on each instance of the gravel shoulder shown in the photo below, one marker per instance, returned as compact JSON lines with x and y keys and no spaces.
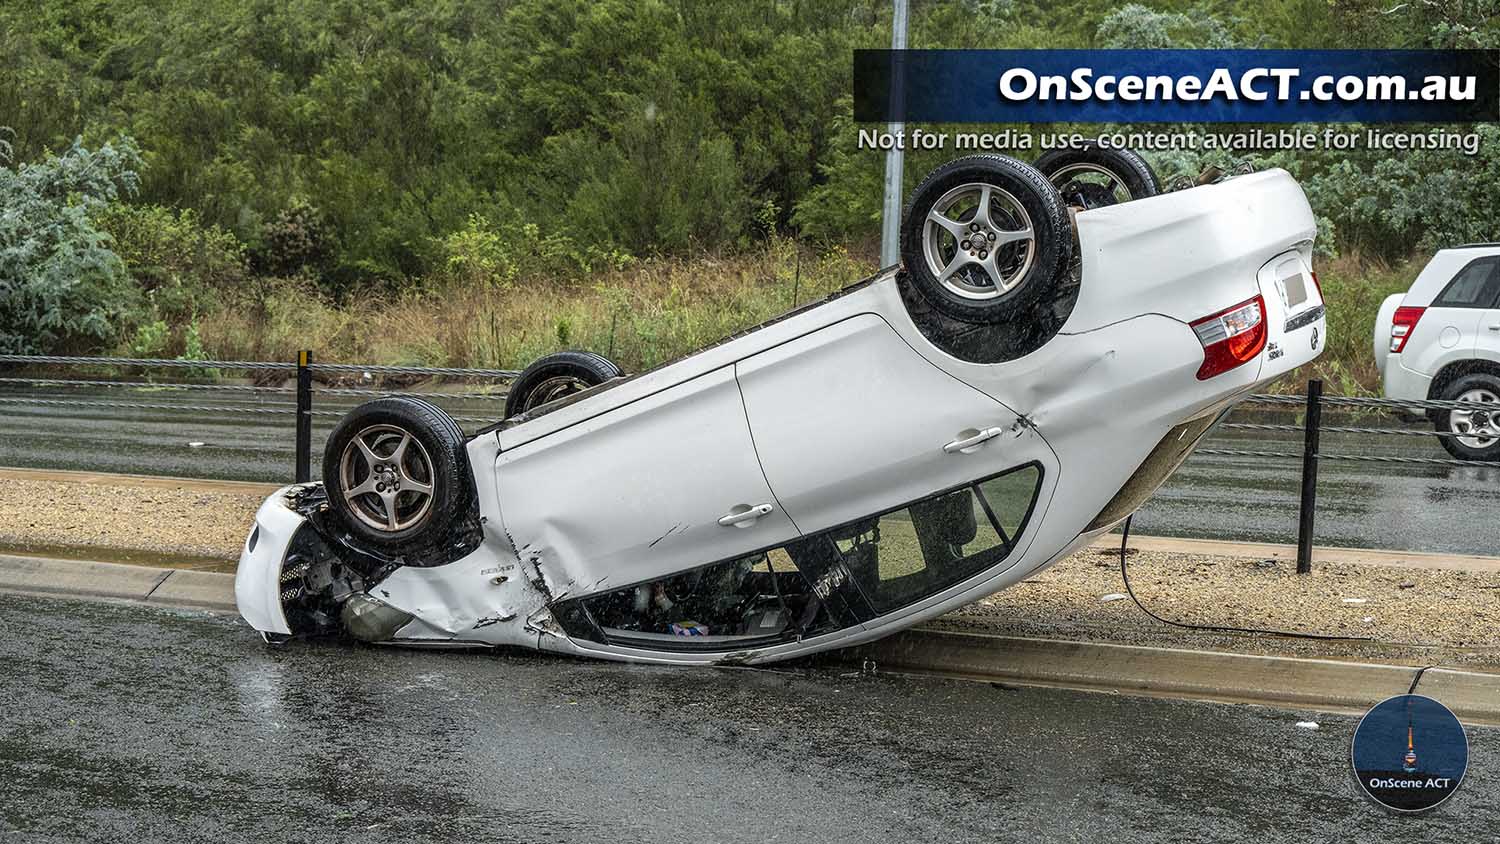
{"x":1415,"y":616}
{"x":1424,"y":615}
{"x":162,"y":522}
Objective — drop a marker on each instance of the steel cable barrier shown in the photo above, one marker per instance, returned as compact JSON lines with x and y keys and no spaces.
{"x":146,"y":392}
{"x":1312,"y":428}
{"x":152,"y":393}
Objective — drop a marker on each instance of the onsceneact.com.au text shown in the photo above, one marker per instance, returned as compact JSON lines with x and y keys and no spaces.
{"x":1257,"y":84}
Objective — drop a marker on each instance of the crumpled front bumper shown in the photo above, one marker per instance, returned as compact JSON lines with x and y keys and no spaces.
{"x":257,"y":582}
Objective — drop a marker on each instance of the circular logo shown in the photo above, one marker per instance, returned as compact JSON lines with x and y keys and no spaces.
{"x":1409,"y":753}
{"x":1315,"y":338}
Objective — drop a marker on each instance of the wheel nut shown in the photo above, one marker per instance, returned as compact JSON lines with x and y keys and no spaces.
{"x":973,"y":227}
{"x":983,"y":254}
{"x":965,"y":245}
{"x":991,"y":237}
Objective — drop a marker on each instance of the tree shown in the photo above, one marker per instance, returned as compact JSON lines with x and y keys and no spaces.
{"x":61,"y":287}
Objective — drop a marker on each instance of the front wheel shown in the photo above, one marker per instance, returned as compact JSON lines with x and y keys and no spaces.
{"x":1476,"y":430}
{"x":397,"y":475}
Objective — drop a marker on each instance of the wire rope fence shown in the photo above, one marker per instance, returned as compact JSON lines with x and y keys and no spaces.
{"x":304,"y":391}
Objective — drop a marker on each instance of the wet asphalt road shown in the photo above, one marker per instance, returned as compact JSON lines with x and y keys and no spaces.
{"x":1370,"y":505}
{"x":145,"y":724}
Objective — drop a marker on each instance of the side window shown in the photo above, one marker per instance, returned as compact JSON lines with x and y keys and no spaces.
{"x":758,"y":599}
{"x":905,"y":555}
{"x":821,"y":583}
{"x":1475,"y":286}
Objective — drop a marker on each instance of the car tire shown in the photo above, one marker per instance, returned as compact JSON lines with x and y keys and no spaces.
{"x":976,"y":267}
{"x":1485,"y":445}
{"x":397,"y":474}
{"x":1093,"y":176}
{"x":557,"y":376}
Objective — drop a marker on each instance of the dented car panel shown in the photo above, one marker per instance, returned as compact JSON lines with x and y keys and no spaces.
{"x":836,"y":475}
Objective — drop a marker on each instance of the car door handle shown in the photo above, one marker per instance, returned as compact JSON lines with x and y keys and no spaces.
{"x":1495,"y":326}
{"x":744,"y":515}
{"x":971,"y":439}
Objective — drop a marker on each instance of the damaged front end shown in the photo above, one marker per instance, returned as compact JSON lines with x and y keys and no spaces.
{"x":301,"y":576}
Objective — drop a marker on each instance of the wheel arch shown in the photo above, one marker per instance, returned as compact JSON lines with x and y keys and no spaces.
{"x":1457,"y":369}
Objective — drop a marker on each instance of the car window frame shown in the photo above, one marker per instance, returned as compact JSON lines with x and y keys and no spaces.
{"x":578,"y":621}
{"x":854,"y":609}
{"x":1494,"y":279}
{"x":1010,"y":543}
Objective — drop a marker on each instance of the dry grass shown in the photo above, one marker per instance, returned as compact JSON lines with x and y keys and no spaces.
{"x":660,"y":309}
{"x":639,"y":316}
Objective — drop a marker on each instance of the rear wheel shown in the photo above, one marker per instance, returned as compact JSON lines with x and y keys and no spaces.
{"x":1477,"y":429}
{"x":985,"y":239}
{"x":1093,"y":176}
{"x":396,"y":473}
{"x":557,"y":376}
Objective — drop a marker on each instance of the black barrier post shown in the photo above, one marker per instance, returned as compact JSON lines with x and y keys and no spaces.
{"x":304,"y":417}
{"x":1312,"y":423}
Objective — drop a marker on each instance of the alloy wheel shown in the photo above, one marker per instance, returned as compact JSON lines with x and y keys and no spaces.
{"x":978,"y":241}
{"x":1478,"y":428}
{"x":553,"y":389}
{"x":386,"y":477}
{"x":1090,"y":186}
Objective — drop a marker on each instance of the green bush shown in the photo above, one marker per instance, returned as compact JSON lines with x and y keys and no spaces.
{"x":62,"y":289}
{"x":1417,"y":201}
{"x":150,"y":340}
{"x":296,"y":243}
{"x":488,"y":254}
{"x":180,"y":266}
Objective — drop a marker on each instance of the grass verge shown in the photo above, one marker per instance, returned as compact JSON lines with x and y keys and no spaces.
{"x":657,"y":310}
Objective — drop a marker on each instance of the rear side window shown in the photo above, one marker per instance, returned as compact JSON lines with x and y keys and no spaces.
{"x":1477,"y":285}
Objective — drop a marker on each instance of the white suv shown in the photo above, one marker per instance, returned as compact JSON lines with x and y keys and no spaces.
{"x":1441,"y":340}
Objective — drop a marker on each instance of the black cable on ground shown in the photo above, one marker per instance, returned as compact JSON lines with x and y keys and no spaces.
{"x":1125,"y":576}
{"x":1417,"y":679}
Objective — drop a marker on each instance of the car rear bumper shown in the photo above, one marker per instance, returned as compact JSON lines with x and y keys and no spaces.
{"x":1402,"y":383}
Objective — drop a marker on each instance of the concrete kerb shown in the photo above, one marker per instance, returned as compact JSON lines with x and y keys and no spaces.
{"x":1288,"y":553}
{"x":1329,"y":685}
{"x":82,"y":578}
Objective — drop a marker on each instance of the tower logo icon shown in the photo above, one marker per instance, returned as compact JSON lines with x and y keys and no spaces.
{"x":1387,"y":765}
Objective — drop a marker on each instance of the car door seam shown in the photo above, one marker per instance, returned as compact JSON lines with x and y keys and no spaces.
{"x":755,"y":449}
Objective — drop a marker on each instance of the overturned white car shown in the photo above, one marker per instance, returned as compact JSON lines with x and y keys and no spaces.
{"x":920,"y":440}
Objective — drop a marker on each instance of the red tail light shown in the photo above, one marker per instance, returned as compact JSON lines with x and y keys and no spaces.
{"x":1317,"y":284}
{"x":1402,"y":325}
{"x":1232,"y":337}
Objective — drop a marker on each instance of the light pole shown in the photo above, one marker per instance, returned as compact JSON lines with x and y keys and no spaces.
{"x":890,"y":213}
